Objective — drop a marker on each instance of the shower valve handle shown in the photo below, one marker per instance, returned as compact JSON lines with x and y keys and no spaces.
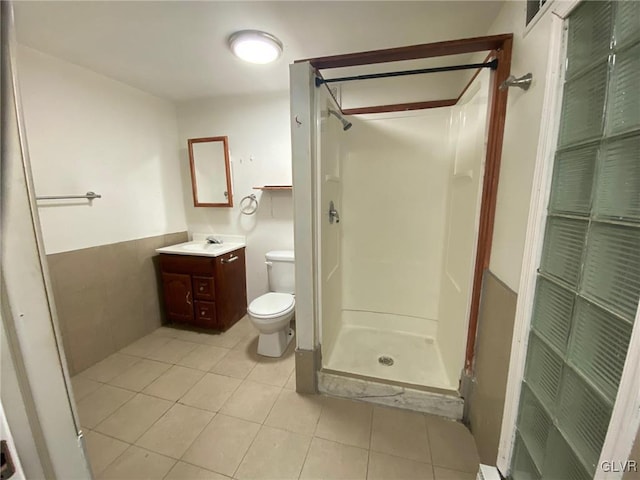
{"x":333,"y":213}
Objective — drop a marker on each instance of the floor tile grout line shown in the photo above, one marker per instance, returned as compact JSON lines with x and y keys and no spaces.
{"x":111,"y":436}
{"x":315,"y":430}
{"x":152,"y":425}
{"x":117,"y":456}
{"x":142,"y":434}
{"x":212,"y":366}
{"x":306,"y":455}
{"x":271,"y":409}
{"x":426,"y":424}
{"x":138,"y":359}
{"x":129,"y":445}
{"x":195,"y":345}
{"x":262,"y":424}
{"x":161,"y":454}
{"x":247,"y":451}
{"x":232,"y":417}
{"x":114,"y":412}
{"x":141,"y":448}
{"x":405,"y":458}
{"x":181,"y":459}
{"x":145,"y":386}
{"x":373,"y":410}
{"x":340,"y":443}
{"x":188,"y":389}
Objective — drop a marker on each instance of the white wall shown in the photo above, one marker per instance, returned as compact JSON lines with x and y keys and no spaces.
{"x":394,"y":193}
{"x":88,"y":132}
{"x":260,"y":154}
{"x":522,"y":126}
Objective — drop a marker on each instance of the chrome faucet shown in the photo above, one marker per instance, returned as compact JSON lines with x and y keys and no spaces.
{"x":212,"y":239}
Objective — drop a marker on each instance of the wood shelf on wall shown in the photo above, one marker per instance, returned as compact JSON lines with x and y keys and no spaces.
{"x":274,"y":187}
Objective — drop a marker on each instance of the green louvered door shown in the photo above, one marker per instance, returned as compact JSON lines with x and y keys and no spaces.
{"x":588,"y":281}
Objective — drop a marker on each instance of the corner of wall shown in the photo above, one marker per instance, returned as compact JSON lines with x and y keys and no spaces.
{"x":485,"y":402}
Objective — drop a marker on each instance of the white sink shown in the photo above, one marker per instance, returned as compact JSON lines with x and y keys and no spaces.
{"x":200,"y":248}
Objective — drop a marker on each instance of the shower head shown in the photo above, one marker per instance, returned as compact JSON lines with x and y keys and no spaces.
{"x":346,"y":124}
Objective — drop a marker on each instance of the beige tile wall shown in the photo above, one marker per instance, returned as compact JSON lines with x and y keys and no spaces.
{"x":107,"y":296}
{"x":493,"y":348}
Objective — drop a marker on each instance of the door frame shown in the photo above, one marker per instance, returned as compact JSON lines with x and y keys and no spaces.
{"x":48,"y":436}
{"x":625,"y":418}
{"x":500,"y":47}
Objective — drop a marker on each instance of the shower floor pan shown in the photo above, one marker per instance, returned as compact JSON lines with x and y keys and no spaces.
{"x":389,"y":355}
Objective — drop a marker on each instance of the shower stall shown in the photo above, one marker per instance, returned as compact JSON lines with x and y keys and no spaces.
{"x":396,"y":205}
{"x":396,"y":270}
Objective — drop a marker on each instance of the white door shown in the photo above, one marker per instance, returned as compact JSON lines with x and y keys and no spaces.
{"x":53,"y":448}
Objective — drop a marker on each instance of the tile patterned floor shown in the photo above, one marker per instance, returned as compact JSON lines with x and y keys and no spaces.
{"x":180,"y":405}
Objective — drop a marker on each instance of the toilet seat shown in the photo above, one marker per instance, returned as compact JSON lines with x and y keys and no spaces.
{"x":271,"y":305}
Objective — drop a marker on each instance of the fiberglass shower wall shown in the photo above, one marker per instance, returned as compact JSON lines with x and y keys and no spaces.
{"x":330,"y":145}
{"x":469,"y":122}
{"x":401,"y":258}
{"x":394,"y":190}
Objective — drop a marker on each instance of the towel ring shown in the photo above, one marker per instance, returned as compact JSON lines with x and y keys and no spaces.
{"x":250,"y":207}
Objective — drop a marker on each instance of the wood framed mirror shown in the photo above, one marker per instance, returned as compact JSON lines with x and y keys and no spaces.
{"x":210,"y":172}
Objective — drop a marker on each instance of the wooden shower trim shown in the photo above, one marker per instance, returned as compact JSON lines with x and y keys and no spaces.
{"x":400,"y":107}
{"x":501,"y":47}
{"x":412,"y":52}
{"x":497,"y":114}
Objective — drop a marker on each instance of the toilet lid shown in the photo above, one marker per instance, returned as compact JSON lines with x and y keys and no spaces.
{"x":271,"y":303}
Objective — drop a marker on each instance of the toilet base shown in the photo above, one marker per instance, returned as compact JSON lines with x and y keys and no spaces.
{"x":274,"y":344}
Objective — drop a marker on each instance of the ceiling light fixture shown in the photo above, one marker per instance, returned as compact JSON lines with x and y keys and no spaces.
{"x":255,"y":46}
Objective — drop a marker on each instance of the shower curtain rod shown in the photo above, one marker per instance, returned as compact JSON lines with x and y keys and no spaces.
{"x":493,"y":64}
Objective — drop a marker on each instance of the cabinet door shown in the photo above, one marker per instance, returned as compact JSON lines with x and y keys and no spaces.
{"x":203,"y":288}
{"x":231,"y":288}
{"x":205,"y":314}
{"x":178,"y":297}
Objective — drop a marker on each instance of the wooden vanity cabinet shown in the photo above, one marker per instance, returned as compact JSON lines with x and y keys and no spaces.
{"x":206,"y":292}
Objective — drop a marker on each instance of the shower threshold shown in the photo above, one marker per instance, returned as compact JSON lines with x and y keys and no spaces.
{"x":444,"y":403}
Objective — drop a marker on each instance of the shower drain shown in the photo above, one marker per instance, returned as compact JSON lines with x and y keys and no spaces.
{"x":385,"y":360}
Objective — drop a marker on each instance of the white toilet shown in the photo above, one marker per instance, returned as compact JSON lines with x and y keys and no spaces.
{"x":272,"y":312}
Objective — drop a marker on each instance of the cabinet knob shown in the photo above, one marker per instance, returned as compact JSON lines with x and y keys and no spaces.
{"x":201,"y":288}
{"x":203,"y":313}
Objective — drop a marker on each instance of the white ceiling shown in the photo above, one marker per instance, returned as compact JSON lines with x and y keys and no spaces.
{"x":177,"y":49}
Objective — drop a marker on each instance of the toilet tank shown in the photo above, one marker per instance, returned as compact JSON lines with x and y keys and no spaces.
{"x":281,"y":271}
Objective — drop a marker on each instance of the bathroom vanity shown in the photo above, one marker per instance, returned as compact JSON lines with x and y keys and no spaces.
{"x":204,"y":285}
